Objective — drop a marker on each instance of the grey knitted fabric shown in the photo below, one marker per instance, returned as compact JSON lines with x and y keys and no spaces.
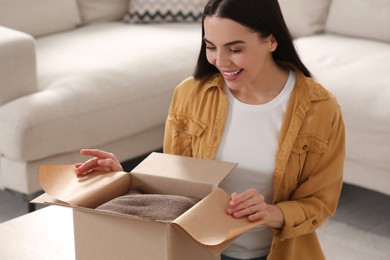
{"x":156,"y":207}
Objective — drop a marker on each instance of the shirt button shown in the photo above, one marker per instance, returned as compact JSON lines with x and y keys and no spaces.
{"x":314,"y":222}
{"x":185,"y":128}
{"x":304,"y":147}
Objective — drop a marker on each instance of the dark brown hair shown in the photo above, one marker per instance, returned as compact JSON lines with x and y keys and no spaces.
{"x":262,"y":16}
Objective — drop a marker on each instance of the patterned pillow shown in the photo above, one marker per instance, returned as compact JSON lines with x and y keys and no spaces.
{"x":165,"y":11}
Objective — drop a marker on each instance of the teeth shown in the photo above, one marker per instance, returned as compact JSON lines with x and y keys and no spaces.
{"x":231,"y":74}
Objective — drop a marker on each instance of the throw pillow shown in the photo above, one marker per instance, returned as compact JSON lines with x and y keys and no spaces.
{"x":165,"y":11}
{"x":305,"y":17}
{"x":102,"y":10}
{"x":360,"y":18}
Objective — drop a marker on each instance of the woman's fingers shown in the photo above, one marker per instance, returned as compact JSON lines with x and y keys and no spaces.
{"x":101,"y":161}
{"x":249,"y":203}
{"x":77,"y":165}
{"x":86,"y":167}
{"x":99,"y":154}
{"x":246,"y":199}
{"x":252,"y":205}
{"x":110,"y":164}
{"x":258,"y":215}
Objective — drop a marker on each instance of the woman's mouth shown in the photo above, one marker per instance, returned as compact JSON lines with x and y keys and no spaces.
{"x":231,"y":75}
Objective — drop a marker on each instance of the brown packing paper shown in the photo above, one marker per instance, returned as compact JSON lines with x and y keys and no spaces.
{"x":209,"y":224}
{"x":61,"y":183}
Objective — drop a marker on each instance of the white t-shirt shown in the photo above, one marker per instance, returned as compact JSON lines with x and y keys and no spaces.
{"x":251,"y":139}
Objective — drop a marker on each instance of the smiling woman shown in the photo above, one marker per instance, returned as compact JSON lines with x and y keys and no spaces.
{"x":251,"y":100}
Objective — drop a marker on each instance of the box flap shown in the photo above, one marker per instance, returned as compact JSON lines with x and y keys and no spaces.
{"x":184,"y":168}
{"x":209,"y":224}
{"x":46,"y":199}
{"x":62,"y":184}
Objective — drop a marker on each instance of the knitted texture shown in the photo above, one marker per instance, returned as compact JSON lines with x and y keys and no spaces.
{"x":156,"y":207}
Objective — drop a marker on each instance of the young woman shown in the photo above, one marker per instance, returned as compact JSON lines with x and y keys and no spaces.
{"x":252,"y":101}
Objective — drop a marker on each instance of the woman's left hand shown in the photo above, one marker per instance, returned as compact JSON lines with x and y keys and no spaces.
{"x":252,"y":205}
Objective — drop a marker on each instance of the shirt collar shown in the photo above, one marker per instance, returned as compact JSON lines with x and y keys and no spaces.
{"x":215,"y":81}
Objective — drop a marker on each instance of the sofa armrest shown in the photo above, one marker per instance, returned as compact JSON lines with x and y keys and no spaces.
{"x":18,"y":76}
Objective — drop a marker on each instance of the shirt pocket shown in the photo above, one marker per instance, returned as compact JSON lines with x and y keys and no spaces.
{"x":307,"y":150}
{"x":187,"y":135}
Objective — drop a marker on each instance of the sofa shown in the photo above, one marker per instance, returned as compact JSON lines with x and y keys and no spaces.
{"x":87,"y":74}
{"x":100,"y":74}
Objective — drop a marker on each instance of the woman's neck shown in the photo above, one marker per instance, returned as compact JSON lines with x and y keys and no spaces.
{"x":270,"y":84}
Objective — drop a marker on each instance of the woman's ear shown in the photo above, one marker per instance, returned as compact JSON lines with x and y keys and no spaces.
{"x":273,"y":44}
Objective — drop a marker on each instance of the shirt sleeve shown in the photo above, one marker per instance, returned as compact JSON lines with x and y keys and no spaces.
{"x":316,"y":197}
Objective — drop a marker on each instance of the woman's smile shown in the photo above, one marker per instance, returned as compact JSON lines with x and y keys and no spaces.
{"x":231,"y":75}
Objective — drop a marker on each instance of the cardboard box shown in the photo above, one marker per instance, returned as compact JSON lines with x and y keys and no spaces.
{"x":201,"y":233}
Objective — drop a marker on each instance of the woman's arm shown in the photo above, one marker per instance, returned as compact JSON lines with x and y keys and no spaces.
{"x":316,"y":197}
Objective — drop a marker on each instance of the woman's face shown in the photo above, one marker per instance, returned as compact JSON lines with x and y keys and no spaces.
{"x":242,"y":57}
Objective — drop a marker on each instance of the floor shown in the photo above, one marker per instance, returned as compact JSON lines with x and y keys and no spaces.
{"x":364,"y":209}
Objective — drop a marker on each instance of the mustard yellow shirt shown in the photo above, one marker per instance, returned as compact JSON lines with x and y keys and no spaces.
{"x":309,"y":161}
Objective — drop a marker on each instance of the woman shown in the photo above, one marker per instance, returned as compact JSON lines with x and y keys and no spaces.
{"x":252,"y":101}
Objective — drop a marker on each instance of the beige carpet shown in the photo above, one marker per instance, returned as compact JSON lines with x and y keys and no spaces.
{"x":341,"y":241}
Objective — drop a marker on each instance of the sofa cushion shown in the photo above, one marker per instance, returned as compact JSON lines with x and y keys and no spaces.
{"x":356,"y":71}
{"x":305,"y":17}
{"x":17,"y":65}
{"x":102,"y":10}
{"x":39,"y":17}
{"x":361,"y":18}
{"x":157,"y":11}
{"x":97,"y":83}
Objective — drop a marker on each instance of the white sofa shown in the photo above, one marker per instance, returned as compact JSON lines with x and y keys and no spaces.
{"x":74,"y":75}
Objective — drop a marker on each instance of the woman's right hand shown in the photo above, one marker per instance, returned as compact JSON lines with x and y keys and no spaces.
{"x":102,"y":161}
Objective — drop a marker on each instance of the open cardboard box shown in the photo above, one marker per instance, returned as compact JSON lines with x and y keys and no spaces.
{"x":202,"y":232}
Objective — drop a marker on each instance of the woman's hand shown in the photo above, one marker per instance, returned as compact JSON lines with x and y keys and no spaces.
{"x":251,"y":204}
{"x":102,"y":161}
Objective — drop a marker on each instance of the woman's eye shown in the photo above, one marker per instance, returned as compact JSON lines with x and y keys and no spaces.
{"x":210,"y":47}
{"x":235,"y":50}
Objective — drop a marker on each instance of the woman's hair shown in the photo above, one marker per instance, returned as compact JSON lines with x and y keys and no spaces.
{"x":262,"y":16}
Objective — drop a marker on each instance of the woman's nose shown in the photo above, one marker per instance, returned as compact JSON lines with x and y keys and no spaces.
{"x":221,"y":59}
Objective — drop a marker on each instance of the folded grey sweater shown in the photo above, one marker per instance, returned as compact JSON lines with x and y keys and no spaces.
{"x":156,"y":207}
